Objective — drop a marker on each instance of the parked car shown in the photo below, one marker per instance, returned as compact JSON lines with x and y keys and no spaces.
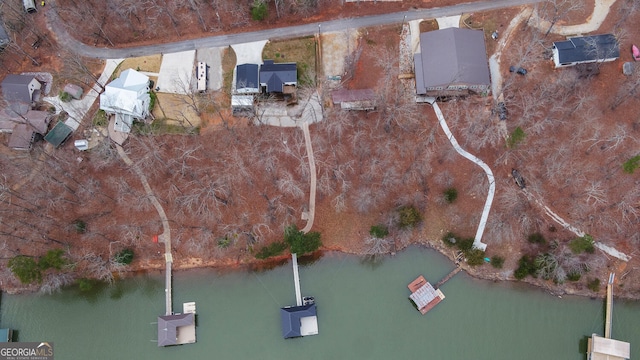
{"x":519,"y":70}
{"x":635,"y":52}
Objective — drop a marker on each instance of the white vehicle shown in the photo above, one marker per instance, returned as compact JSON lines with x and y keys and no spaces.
{"x":29,"y":5}
{"x":202,"y":76}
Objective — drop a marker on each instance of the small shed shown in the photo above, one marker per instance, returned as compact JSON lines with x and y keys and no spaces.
{"x":74,"y":90}
{"x":361,"y":99}
{"x":58,"y":134}
{"x":176,"y":329}
{"x":627,"y":68}
{"x":299,"y":321}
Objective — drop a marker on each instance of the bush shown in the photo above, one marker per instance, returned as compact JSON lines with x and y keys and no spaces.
{"x":450,"y":195}
{"x":409,"y":217}
{"x":87,"y":284}
{"x":153,"y":99}
{"x":526,"y":267}
{"x":536,"y":238}
{"x":450,"y":239}
{"x":100,"y":119}
{"x":259,"y":10}
{"x":124,"y":257}
{"x":52,"y":259}
{"x":64,"y":96}
{"x":379,"y":231}
{"x":465,"y":244}
{"x":301,"y":243}
{"x":80,"y":226}
{"x":271,"y":250}
{"x":475,"y":257}
{"x":574,"y":276}
{"x":516,"y":137}
{"x":224,"y":242}
{"x":631,"y":165}
{"x":594,"y":285}
{"x":25,"y":269}
{"x":582,"y":244}
{"x":497,"y":262}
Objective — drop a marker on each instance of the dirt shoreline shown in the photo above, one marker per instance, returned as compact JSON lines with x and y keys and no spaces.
{"x":484,"y":272}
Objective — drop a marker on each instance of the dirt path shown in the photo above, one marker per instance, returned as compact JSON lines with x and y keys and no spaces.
{"x":600,"y":11}
{"x":309,"y":215}
{"x":477,"y":243}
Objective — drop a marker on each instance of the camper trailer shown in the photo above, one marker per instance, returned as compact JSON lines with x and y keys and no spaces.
{"x":202,"y":76}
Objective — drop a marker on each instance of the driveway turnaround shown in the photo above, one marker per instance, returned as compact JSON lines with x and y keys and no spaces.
{"x":176,"y":73}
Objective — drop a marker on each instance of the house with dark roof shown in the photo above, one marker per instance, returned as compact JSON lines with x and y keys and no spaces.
{"x":176,"y":329}
{"x":58,"y":134}
{"x":247,"y":81}
{"x":299,"y":320}
{"x":278,"y":78}
{"x":452,"y":62}
{"x":21,"y":88}
{"x":585,"y":49}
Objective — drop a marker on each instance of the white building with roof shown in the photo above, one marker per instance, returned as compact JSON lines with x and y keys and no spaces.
{"x":127,"y":97}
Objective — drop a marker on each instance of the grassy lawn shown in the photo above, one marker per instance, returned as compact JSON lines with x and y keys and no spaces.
{"x":302,"y":51}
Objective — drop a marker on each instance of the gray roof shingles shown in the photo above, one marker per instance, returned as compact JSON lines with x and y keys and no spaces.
{"x":168,"y":325}
{"x":587,"y":48}
{"x":276,"y":75}
{"x":290,"y":318}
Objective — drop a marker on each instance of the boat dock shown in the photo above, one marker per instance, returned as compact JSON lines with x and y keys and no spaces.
{"x":606,"y":348}
{"x":448,"y":277}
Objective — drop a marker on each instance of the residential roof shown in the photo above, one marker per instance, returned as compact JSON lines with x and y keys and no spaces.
{"x":22,"y":137}
{"x":58,"y":134}
{"x":347,"y":95}
{"x":587,"y":48}
{"x":15,"y":87}
{"x":247,"y":78}
{"x":168,"y":327}
{"x":293,"y":320}
{"x":38,"y":120}
{"x":275,"y":76}
{"x":128,"y":94}
{"x":452,"y":56}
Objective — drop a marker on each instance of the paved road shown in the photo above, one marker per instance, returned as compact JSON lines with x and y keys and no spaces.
{"x":55,"y":25}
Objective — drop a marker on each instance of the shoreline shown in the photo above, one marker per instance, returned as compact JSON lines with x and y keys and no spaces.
{"x":253,"y":264}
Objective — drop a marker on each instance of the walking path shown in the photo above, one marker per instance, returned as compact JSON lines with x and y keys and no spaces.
{"x":605,"y":248}
{"x":309,"y":215}
{"x":600,"y":11}
{"x":165,"y":237}
{"x":477,"y":242}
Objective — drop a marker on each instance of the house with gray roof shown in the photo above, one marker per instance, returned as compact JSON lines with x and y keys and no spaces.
{"x":452,"y":62}
{"x":299,"y":320}
{"x":172,"y":327}
{"x":278,"y":78}
{"x":585,"y":49}
{"x":21,"y":88}
{"x":247,"y":81}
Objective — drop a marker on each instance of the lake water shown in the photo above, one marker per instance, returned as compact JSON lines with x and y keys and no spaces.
{"x":363,"y":313}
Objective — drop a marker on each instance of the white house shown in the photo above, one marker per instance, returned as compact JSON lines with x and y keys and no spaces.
{"x":128,"y":98}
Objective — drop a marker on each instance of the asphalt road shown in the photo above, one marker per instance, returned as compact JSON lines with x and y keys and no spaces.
{"x":55,"y":24}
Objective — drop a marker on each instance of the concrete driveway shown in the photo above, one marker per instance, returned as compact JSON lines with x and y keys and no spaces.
{"x":213,"y":58}
{"x":177,"y":73}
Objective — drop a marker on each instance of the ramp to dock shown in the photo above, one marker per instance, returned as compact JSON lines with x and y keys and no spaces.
{"x":448,"y":277}
{"x":296,"y":279}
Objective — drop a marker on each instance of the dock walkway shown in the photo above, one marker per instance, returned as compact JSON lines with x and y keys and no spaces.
{"x":448,"y":277}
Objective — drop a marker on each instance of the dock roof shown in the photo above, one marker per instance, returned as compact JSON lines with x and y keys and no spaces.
{"x":299,"y":321}
{"x":609,"y":349}
{"x":168,"y":326}
{"x":424,"y":295}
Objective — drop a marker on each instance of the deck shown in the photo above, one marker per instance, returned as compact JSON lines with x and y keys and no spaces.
{"x":423,"y":295}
